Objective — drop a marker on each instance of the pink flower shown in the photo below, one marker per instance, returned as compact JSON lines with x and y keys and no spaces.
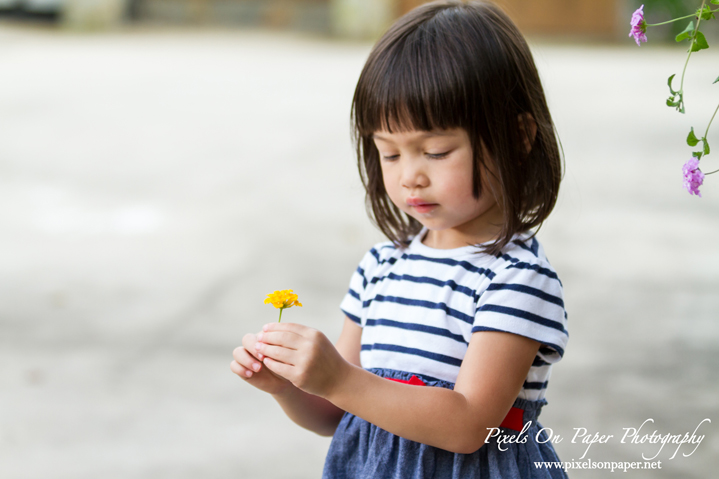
{"x":639,"y":26}
{"x":693,"y":177}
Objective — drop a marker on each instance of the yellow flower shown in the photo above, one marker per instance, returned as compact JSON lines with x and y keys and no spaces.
{"x":282,"y":300}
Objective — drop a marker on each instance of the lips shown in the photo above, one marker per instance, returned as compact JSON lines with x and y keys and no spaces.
{"x":420,"y":205}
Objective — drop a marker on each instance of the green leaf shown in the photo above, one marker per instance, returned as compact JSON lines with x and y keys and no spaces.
{"x":700,"y":42}
{"x":669,"y":82}
{"x":715,"y":2}
{"x":717,"y":77}
{"x":697,"y":154}
{"x":687,"y":33}
{"x":705,"y":13}
{"x":692,"y":139}
{"x":676,"y":100}
{"x":672,"y":101}
{"x":706,"y":146}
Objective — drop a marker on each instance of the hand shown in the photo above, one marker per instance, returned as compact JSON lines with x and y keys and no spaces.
{"x":247,"y":365}
{"x":303,"y":356}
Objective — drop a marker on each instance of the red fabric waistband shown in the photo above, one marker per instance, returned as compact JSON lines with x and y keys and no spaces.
{"x":514,"y":419}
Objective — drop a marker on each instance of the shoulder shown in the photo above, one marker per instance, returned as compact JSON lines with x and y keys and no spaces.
{"x":525,"y":297}
{"x":378,"y":255}
{"x":382,"y":251}
{"x":523,"y":259}
{"x":353,"y":304}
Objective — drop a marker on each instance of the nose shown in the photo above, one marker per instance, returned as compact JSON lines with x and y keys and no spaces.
{"x":414,"y":174}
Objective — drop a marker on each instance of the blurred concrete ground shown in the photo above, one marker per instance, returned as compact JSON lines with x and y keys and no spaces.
{"x":156,"y":184}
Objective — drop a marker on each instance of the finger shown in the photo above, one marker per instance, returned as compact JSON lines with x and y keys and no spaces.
{"x":290,"y":327}
{"x":248,"y":341}
{"x":240,"y":370}
{"x":281,"y":338}
{"x":246,"y":360}
{"x":278,"y":353}
{"x":281,"y":369}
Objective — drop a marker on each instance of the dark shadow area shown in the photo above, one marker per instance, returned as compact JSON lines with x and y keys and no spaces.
{"x":24,"y":17}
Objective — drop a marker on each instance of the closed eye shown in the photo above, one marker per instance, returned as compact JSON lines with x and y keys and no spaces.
{"x":390,"y":158}
{"x":437,"y":156}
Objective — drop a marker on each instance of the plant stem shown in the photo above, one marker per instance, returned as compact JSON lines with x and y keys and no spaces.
{"x":280,"y":320}
{"x":676,"y":19}
{"x":710,"y":121}
{"x":691,"y":44}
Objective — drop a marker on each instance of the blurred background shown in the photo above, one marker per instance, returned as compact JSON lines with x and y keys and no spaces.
{"x":164,"y":164}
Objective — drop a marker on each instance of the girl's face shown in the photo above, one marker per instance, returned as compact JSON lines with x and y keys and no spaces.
{"x":428,"y":175}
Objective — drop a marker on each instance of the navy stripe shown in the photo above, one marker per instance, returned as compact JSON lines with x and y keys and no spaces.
{"x":527,"y":290}
{"x":374,"y":252}
{"x":353,"y":317}
{"x":520,"y":313}
{"x":535,"y":385}
{"x":451,"y":262}
{"x":539,"y":362}
{"x":422,"y":304}
{"x":555,"y":349}
{"x":535,"y":267}
{"x":516,"y":263}
{"x":417,"y":352}
{"x":427,"y":280}
{"x":524,"y":246}
{"x":506,"y":257}
{"x":390,"y":260}
{"x":417,"y":327}
{"x":354,"y":294}
{"x":549,"y":351}
{"x":361,"y":272}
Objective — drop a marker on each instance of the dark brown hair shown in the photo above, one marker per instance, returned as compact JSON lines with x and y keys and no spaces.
{"x":452,"y":64}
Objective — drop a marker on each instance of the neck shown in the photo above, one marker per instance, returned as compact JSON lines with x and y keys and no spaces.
{"x":484,"y":228}
{"x":450,"y":239}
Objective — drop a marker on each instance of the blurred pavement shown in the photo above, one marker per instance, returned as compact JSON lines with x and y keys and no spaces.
{"x":155,"y":185}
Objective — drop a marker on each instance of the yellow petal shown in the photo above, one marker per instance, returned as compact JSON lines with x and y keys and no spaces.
{"x":283,"y":299}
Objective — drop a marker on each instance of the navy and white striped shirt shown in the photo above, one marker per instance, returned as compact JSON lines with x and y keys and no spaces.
{"x":419,"y":306}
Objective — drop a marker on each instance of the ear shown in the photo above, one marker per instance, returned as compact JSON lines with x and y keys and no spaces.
{"x":527,"y":129}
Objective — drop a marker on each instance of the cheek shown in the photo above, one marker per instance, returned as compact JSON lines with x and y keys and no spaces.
{"x":389,"y":181}
{"x":459,"y":187}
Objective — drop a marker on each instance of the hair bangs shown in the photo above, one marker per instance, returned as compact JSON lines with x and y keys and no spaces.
{"x":412,"y":87}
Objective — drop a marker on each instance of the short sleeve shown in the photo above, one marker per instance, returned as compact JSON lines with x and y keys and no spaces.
{"x":353,"y":303}
{"x":526,"y":299}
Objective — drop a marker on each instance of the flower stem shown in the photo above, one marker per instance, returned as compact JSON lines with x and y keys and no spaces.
{"x":710,"y":122}
{"x":675,"y":20}
{"x":280,"y":320}
{"x":691,"y":44}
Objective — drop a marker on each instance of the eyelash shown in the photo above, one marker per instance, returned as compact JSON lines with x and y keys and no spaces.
{"x":436,"y":156}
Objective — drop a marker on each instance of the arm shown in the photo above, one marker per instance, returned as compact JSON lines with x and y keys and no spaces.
{"x":306,"y":410}
{"x":489,"y":380}
{"x":313,"y":412}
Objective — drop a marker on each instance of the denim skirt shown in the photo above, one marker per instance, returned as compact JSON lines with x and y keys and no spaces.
{"x":360,"y":450}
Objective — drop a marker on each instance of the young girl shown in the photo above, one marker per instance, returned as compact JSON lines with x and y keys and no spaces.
{"x":452,"y":327}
